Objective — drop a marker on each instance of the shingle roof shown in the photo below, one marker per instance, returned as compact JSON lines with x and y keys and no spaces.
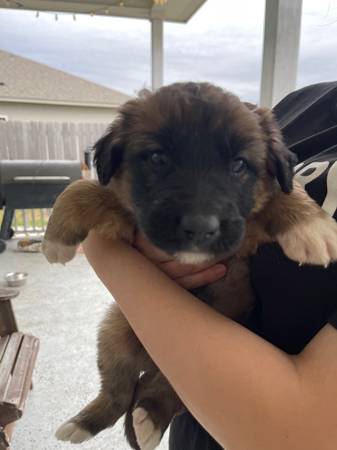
{"x":22,"y":79}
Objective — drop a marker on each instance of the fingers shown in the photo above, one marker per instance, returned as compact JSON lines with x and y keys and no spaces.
{"x":189,"y":276}
{"x":174,"y":269}
{"x":202,"y":278}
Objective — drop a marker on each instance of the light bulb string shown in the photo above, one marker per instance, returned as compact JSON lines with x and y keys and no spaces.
{"x":104,"y":9}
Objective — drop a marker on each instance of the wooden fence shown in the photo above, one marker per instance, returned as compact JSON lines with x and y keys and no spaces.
{"x":47,"y":140}
{"x":44,"y":140}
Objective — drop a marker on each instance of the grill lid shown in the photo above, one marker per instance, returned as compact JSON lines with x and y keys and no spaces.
{"x":39,"y":171}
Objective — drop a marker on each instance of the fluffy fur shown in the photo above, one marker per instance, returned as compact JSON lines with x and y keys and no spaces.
{"x":203,"y":175}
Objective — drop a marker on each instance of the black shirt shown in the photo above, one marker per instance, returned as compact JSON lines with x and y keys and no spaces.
{"x":292,"y":303}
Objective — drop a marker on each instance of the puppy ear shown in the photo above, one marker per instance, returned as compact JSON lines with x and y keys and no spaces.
{"x":108,"y":154}
{"x":280,"y":160}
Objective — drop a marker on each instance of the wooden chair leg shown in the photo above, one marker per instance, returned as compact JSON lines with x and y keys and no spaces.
{"x":8,"y":323}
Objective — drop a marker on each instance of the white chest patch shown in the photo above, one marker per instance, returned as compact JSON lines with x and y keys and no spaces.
{"x":192,"y":258}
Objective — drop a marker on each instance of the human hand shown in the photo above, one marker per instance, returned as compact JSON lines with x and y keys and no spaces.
{"x":189,"y":276}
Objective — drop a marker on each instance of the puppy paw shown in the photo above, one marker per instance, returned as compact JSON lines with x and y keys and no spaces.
{"x":311,"y":242}
{"x":55,"y":252}
{"x":73,"y":433}
{"x":148,"y":437}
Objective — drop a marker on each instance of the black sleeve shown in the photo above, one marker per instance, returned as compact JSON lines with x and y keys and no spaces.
{"x":308,"y":119}
{"x":294,"y":303}
{"x":333,"y":319}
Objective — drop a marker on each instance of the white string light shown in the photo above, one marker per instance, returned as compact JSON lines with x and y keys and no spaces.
{"x":106,"y":10}
{"x":13,"y":3}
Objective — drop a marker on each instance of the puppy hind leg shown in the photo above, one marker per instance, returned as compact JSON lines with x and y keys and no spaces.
{"x":119,"y":363}
{"x":112,"y":402}
{"x":99,"y":414}
{"x":154,"y":405}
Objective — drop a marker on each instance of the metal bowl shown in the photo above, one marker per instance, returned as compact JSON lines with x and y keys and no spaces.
{"x":15,"y":279}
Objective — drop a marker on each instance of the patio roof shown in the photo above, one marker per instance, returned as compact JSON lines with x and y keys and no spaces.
{"x":281,"y":33}
{"x":171,"y":11}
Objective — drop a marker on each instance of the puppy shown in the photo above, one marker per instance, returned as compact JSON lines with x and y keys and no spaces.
{"x":203,"y":175}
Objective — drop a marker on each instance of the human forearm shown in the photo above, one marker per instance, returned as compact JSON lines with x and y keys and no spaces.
{"x":243,"y":390}
{"x":248,"y":394}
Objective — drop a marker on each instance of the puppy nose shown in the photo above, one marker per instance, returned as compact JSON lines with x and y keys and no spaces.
{"x":200,"y":227}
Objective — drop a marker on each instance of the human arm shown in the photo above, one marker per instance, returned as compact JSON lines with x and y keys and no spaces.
{"x":246,"y":393}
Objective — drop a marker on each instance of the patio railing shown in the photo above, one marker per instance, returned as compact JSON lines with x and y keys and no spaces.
{"x":30,"y":221}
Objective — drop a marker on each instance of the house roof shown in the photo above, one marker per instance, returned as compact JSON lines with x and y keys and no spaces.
{"x":24,"y":80}
{"x":169,"y":10}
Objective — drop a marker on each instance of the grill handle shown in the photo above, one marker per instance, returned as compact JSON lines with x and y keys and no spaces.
{"x":42,"y":179}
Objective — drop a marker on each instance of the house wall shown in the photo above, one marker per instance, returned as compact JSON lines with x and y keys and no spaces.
{"x":55,"y":113}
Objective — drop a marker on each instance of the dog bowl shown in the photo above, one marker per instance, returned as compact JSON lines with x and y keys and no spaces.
{"x":15,"y":279}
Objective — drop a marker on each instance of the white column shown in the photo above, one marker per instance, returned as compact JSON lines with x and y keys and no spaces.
{"x":157,"y":52}
{"x":282,"y":32}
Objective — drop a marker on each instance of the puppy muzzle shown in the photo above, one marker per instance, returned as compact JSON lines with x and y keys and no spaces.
{"x":194,"y":236}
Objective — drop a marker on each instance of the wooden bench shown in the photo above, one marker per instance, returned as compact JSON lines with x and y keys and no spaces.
{"x":18,"y":353}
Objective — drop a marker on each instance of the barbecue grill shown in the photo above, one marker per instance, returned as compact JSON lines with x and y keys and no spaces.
{"x":28,"y":184}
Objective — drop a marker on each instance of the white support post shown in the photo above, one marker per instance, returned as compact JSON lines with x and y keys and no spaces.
{"x":157,"y":52}
{"x":282,"y":32}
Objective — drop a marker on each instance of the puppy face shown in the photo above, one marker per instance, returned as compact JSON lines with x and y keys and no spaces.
{"x":197,"y":165}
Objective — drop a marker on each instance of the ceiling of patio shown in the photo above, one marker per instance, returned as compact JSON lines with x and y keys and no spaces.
{"x":173,"y":11}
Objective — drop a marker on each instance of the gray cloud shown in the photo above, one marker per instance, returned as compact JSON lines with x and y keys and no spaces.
{"x":220,"y":44}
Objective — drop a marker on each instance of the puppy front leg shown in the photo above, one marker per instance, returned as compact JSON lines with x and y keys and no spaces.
{"x":305,"y":232}
{"x":83,"y":206}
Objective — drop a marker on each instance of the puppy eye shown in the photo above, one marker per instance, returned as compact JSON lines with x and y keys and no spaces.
{"x":239,"y":165}
{"x":159,"y":159}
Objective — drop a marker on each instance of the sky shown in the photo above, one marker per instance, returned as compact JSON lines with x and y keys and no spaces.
{"x":222,"y":44}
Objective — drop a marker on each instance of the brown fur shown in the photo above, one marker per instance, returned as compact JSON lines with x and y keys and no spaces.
{"x":87,"y":205}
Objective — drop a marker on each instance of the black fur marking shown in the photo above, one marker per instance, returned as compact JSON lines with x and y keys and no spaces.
{"x":108,"y":157}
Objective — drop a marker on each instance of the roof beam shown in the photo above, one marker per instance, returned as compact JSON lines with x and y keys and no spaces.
{"x":157,"y":53}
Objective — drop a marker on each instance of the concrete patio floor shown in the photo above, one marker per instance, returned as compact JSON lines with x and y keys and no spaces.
{"x":62,"y":306}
